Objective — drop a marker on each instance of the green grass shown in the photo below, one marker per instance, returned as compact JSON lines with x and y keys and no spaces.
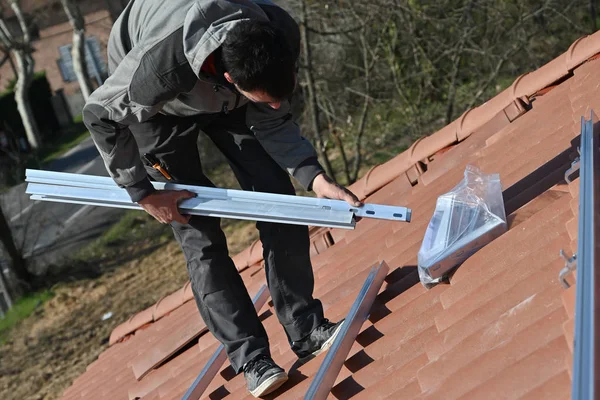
{"x":128,"y":228}
{"x":134,"y":228}
{"x":21,"y":310}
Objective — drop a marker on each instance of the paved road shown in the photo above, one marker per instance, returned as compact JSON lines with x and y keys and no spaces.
{"x":50,"y":231}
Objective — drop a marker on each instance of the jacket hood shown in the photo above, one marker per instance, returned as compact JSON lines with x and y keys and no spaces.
{"x":201,"y":36}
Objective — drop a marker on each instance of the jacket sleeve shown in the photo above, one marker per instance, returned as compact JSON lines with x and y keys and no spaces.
{"x":280,"y":137}
{"x":131,"y":95}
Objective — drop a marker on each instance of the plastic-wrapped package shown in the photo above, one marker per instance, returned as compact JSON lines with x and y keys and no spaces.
{"x":465,"y":219}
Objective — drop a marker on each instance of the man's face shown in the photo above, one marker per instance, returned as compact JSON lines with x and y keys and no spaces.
{"x":258,"y":96}
{"x":255,"y":96}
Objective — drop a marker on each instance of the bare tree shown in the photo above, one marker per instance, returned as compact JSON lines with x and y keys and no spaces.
{"x":21,"y":48}
{"x":7,"y":58}
{"x":78,"y":51}
{"x":593,"y":15}
{"x":338,"y":92}
{"x":312,"y":96}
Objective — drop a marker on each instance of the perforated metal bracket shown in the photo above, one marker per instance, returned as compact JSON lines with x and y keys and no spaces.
{"x":570,"y":266}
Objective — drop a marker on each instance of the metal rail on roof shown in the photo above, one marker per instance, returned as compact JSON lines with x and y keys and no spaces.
{"x":212,"y":368}
{"x":584,"y":354}
{"x":331,"y":366}
{"x":213,"y":202}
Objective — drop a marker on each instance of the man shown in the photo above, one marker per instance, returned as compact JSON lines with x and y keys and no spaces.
{"x":226,"y":68}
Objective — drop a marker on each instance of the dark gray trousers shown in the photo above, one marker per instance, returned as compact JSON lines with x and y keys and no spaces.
{"x":222,"y":299}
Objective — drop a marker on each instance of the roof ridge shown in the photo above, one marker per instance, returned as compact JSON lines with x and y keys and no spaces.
{"x":458,"y":130}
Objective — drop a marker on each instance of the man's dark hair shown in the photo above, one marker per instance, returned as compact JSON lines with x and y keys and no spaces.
{"x":258,"y":57}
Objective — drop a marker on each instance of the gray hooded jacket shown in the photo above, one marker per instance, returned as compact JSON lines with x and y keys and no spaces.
{"x":156,"y":50}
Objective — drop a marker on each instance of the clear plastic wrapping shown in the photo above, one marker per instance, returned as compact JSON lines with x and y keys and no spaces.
{"x":465,"y":219}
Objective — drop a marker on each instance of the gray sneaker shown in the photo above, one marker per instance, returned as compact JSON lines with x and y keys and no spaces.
{"x":319,"y":340}
{"x":263,"y":376}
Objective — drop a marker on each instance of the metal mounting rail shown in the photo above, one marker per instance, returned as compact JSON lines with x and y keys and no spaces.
{"x":588,"y":260}
{"x":198,"y":206}
{"x":214,"y":202}
{"x":211,"y":369}
{"x":329,"y":370}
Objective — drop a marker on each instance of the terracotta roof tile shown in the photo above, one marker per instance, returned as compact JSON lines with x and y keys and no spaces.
{"x":523,"y":269}
{"x":411,"y":391}
{"x":569,"y":332}
{"x":557,"y":387}
{"x":394,"y":381}
{"x":498,"y":335}
{"x":526,"y":374}
{"x":501,"y":328}
{"x":249,"y":256}
{"x":517,"y":239}
{"x":372,"y":371}
{"x":185,"y":324}
{"x":510,"y":302}
{"x":568,"y":298}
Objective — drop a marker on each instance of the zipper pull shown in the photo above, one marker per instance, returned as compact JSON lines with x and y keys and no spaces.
{"x":226,"y":107}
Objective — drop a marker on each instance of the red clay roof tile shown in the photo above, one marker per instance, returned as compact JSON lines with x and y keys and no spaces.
{"x":557,"y":387}
{"x":249,"y":256}
{"x":185,"y":324}
{"x":568,"y":298}
{"x":569,"y":332}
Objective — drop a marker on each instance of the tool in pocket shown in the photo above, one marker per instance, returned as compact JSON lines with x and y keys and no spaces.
{"x":152,"y":161}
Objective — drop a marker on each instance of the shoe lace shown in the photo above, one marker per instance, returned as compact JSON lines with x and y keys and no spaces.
{"x":322,"y":331}
{"x":259,"y":365}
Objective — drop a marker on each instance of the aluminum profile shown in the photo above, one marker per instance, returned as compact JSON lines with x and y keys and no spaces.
{"x":332,"y":365}
{"x":212,"y":202}
{"x":584,"y":353}
{"x":209,"y":207}
{"x":213,"y":366}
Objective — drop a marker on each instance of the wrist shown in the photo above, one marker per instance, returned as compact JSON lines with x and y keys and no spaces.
{"x":140,"y":190}
{"x":320,"y":180}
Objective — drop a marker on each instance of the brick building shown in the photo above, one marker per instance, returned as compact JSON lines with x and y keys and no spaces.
{"x":53,"y":37}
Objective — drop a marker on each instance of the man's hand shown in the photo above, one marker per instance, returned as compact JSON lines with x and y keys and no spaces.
{"x":162,"y":205}
{"x":324,"y":187}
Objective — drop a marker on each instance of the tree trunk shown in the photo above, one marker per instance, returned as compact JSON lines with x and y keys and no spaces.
{"x":7,"y":293}
{"x":340,"y":144}
{"x":365,"y":110}
{"x":12,"y":66}
{"x":312,"y":95}
{"x":593,"y":14}
{"x":78,"y":51}
{"x":16,"y":258}
{"x":79,"y":63}
{"x":358,"y":141}
{"x":25,"y":71}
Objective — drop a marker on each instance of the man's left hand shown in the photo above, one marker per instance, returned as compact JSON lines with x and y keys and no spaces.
{"x":324,"y":187}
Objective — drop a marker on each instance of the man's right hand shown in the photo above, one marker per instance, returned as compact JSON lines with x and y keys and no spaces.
{"x":163,"y":205}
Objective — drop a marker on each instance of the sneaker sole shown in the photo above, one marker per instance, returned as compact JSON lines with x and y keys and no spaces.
{"x":270,"y":385}
{"x":325,"y":346}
